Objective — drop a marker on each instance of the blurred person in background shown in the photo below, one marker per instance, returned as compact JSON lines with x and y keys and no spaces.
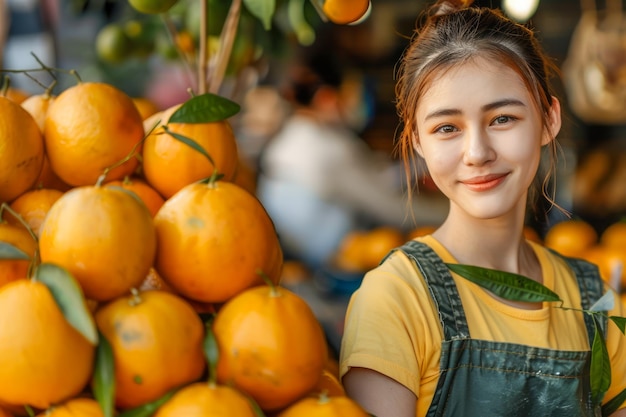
{"x":27,"y":29}
{"x":319,"y":180}
{"x":4,"y":28}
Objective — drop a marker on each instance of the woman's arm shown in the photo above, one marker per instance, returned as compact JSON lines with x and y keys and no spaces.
{"x":619,"y":413}
{"x":379,"y":395}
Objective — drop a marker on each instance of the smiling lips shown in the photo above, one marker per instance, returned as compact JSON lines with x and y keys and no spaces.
{"x":485,"y":182}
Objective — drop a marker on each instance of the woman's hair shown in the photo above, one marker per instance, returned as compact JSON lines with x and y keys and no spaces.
{"x":452,"y":32}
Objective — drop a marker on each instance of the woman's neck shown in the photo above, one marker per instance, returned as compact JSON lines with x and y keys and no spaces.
{"x":490,"y":243}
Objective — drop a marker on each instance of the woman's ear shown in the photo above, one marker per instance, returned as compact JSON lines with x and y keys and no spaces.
{"x":554,"y":122}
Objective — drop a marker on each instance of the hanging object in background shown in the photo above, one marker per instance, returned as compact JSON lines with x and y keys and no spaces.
{"x":520,"y":10}
{"x":594,"y":71}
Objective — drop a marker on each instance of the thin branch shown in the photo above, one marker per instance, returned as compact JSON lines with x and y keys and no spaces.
{"x":173,"y":33}
{"x":227,"y":38}
{"x":202,"y":59}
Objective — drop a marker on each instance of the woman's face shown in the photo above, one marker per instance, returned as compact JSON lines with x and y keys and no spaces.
{"x":480,"y":133}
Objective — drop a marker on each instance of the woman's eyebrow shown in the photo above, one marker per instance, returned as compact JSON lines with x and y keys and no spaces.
{"x":486,"y":107}
{"x":442,"y":112}
{"x":503,"y":103}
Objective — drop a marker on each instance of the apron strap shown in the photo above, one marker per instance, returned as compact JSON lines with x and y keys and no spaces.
{"x":442,"y":288}
{"x":591,"y":289}
{"x":446,"y":296}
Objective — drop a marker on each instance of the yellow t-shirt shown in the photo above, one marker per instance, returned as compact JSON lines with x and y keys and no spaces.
{"x":392,"y":325}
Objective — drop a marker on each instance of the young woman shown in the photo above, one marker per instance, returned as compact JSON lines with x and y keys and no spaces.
{"x":474,"y":98}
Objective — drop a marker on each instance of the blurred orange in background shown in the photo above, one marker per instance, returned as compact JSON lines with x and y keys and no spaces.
{"x":571,"y":237}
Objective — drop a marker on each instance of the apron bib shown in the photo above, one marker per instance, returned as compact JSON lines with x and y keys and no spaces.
{"x":487,"y":378}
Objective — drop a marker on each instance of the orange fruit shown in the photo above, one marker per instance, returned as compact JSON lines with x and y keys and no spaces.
{"x":156,"y":338}
{"x":361,"y":250}
{"x":206,"y":400}
{"x":153,"y":281}
{"x":328,"y":384}
{"x":21,"y":150}
{"x":614,"y":235}
{"x":571,"y":237}
{"x":324,"y":406}
{"x":112,"y":43}
{"x":17,"y":236}
{"x":213,"y":239}
{"x":49,"y":179}
{"x":349,"y":256}
{"x":33,"y":206}
{"x":104,"y":236}
{"x":608,"y":259}
{"x":81,"y":407}
{"x":184,"y":41}
{"x":294,"y":272}
{"x":271,"y":346}
{"x":152,"y":122}
{"x":5,"y":413}
{"x":169,"y":164}
{"x":148,"y":195}
{"x":43,"y":359}
{"x":245,"y":177}
{"x":88,"y":128}
{"x":37,"y":105}
{"x":332,"y":366}
{"x":145,"y":106}
{"x":532,"y":235}
{"x":378,"y":242}
{"x":16,"y":95}
{"x":344,"y":12}
{"x":420,"y":231}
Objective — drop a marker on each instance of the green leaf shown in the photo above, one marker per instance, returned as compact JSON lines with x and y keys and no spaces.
{"x":69,"y":297}
{"x":262,"y":10}
{"x":211,"y":351}
{"x":258,"y":411}
{"x":612,"y":406}
{"x":205,"y":108}
{"x":104,"y":377}
{"x":600,"y":366}
{"x":295,"y":13}
{"x":190,"y":142}
{"x":505,"y":284}
{"x":148,"y":409}
{"x":8,"y":251}
{"x":619,"y":322}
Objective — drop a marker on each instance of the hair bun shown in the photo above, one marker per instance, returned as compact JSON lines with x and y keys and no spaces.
{"x":443,"y":7}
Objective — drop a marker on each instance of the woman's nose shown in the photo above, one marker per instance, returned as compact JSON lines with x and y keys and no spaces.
{"x":478,"y":150}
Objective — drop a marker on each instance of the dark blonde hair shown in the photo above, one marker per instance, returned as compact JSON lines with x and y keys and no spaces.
{"x":452,"y":32}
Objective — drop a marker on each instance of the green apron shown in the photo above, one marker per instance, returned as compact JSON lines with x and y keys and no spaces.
{"x":486,"y":379}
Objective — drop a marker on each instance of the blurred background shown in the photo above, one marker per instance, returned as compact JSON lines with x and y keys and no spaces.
{"x":155,"y":57}
{"x":64,"y":34}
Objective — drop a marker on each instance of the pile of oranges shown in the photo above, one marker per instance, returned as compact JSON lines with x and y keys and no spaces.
{"x":577,"y":238}
{"x":139,"y":272}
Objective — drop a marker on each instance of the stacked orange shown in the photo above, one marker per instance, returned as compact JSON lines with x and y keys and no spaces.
{"x":130,"y":265}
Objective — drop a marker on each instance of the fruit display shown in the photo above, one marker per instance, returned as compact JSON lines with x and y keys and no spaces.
{"x":139,"y":274}
{"x":598,"y":186}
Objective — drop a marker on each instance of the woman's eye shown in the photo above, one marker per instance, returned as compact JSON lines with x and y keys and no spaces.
{"x":446,"y":129}
{"x":502,"y":119}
